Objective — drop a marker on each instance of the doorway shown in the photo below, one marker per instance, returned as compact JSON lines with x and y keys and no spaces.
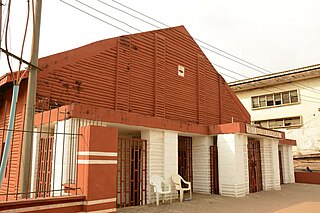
{"x":214,"y":175}
{"x":254,"y":165}
{"x":44,"y":167}
{"x":280,"y":167}
{"x":185,"y":158}
{"x":131,"y":172}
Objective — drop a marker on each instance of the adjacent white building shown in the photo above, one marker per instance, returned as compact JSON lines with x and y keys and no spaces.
{"x":288,"y":101}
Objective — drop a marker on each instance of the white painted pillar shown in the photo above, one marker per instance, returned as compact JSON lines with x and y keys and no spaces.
{"x":276,"y":169}
{"x":162,"y":148}
{"x":170,"y":158}
{"x":287,"y":163}
{"x":232,"y":176}
{"x":201,"y":163}
{"x":155,"y":161}
{"x":270,"y":164}
{"x":34,"y":165}
{"x":245,"y":164}
{"x":61,"y":156}
{"x":291,"y":165}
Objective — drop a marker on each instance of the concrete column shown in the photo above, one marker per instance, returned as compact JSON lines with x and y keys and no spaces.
{"x":155,"y":155}
{"x":291,"y":166}
{"x":170,"y":156}
{"x":60,"y":157}
{"x":201,"y":164}
{"x":245,"y":165}
{"x":97,"y":168}
{"x":287,"y":163}
{"x":276,"y":169}
{"x":162,"y":148}
{"x":34,"y":166}
{"x":232,"y":176}
{"x":269,"y":164}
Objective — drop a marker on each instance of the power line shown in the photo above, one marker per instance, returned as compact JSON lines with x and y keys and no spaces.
{"x":188,"y":37}
{"x":108,"y":15}
{"x":116,"y":8}
{"x":296,"y":83}
{"x":153,"y":19}
{"x":127,"y":13}
{"x":95,"y":17}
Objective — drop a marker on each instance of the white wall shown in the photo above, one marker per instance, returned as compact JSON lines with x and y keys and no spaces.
{"x":201,"y":163}
{"x":34,"y":165}
{"x":162,"y":157}
{"x":308,"y":136}
{"x":233,"y":165}
{"x":287,"y":163}
{"x":64,"y":154}
{"x":270,"y":164}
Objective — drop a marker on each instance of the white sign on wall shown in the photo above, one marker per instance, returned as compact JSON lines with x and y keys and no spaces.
{"x":260,"y":131}
{"x":180,"y":70}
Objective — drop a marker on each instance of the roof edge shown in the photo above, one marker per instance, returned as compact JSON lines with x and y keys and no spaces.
{"x":274,"y":75}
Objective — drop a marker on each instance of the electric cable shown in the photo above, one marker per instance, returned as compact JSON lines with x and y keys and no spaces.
{"x":209,"y":61}
{"x":219,"y":49}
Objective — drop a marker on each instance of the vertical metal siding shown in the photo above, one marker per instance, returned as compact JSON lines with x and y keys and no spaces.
{"x":139,"y":74}
{"x":12,"y":174}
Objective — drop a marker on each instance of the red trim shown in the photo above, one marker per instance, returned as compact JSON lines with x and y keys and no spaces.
{"x":288,"y":142}
{"x":39,"y":202}
{"x":227,"y":128}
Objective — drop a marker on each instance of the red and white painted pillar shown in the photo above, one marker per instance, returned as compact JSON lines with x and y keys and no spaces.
{"x":97,"y":168}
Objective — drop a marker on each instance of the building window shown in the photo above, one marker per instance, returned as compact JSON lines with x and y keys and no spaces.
{"x":275,"y":99}
{"x":280,"y":122}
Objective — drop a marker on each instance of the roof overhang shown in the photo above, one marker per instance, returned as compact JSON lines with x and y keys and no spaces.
{"x":7,"y":78}
{"x":276,"y":78}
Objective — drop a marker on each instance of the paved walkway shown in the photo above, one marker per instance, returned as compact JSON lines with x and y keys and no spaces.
{"x":292,"y":198}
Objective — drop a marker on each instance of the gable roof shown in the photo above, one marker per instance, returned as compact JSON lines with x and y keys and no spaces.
{"x":276,"y":78}
{"x":138,"y":73}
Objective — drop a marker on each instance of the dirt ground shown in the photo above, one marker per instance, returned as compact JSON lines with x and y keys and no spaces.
{"x":291,"y":198}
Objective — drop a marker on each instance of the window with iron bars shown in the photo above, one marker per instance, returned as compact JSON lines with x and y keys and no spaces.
{"x":275,"y":99}
{"x":280,"y":122}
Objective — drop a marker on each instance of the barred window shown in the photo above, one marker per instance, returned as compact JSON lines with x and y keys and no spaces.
{"x":275,"y":99}
{"x":280,"y":122}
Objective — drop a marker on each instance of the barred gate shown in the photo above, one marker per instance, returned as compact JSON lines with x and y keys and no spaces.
{"x":214,"y":176}
{"x":254,"y":164}
{"x":132,"y":172}
{"x":45,"y":167}
{"x":185,"y":158}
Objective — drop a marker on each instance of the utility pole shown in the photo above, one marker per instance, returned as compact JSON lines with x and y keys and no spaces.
{"x":0,"y":21}
{"x":30,"y":105}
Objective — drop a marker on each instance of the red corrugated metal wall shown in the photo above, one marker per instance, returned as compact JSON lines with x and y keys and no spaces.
{"x":11,"y":175}
{"x":139,"y":74}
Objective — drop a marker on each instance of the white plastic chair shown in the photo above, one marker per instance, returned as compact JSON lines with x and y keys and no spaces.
{"x":157,"y":182}
{"x":177,"y":182}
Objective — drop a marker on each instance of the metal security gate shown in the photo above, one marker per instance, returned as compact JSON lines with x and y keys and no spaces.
{"x":185,"y":158}
{"x":214,"y":175}
{"x":280,"y":168}
{"x":45,"y":167}
{"x":132,"y":172}
{"x":254,"y":164}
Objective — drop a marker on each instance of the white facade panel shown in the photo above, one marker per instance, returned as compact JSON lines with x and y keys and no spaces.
{"x":231,"y":160}
{"x":201,"y":163}
{"x":308,"y":134}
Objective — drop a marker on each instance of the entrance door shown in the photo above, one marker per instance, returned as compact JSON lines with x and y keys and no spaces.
{"x":280,"y":168}
{"x":132,"y":172}
{"x":254,"y":164}
{"x":214,"y":176}
{"x":45,"y":167}
{"x":135,"y":175}
{"x":185,"y":158}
